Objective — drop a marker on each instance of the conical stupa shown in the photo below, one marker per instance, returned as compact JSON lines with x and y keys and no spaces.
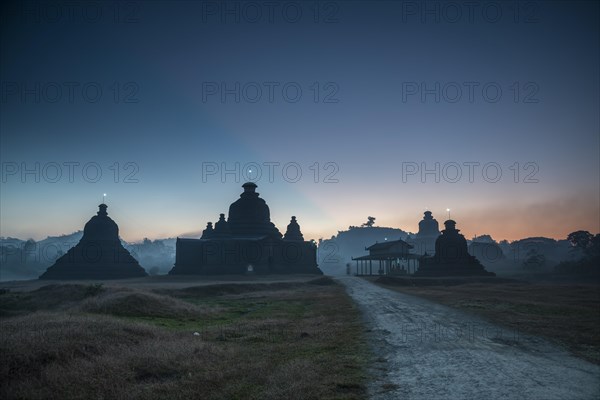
{"x":98,"y":255}
{"x":293,"y":232}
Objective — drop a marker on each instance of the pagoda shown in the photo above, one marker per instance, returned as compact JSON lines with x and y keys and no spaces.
{"x":246,"y":242}
{"x":451,"y":256}
{"x":98,"y":255}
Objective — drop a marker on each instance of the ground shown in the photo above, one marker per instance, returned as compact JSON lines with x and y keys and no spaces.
{"x":566,"y":313}
{"x":430,"y":351}
{"x":265,"y":338}
{"x":298,"y":337}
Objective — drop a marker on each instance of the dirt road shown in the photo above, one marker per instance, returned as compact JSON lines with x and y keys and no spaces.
{"x":429,"y":351}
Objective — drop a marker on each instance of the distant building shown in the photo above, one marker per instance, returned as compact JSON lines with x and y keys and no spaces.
{"x":424,"y":241}
{"x":391,"y":257}
{"x":247,"y":242}
{"x":98,"y":255}
{"x":487,"y":251}
{"x":428,"y":226}
{"x":451,"y":256}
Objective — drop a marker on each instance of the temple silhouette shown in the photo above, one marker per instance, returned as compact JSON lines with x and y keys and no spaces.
{"x":451,"y":256}
{"x":424,"y":241}
{"x":98,"y":255}
{"x":247,"y":242}
{"x":399,"y":257}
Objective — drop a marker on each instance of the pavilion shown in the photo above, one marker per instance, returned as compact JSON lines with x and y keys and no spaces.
{"x":389,"y":255}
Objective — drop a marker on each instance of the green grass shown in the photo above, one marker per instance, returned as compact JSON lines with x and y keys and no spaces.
{"x":292,"y":341}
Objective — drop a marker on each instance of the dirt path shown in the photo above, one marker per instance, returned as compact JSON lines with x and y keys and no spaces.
{"x":429,"y":351}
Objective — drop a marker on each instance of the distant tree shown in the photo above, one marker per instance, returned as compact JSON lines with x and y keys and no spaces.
{"x":484,"y":239}
{"x":594,"y":248}
{"x":534,"y":260}
{"x":154,"y":271}
{"x":29,"y":245}
{"x":580,"y":239}
{"x":370,"y":222}
{"x":29,"y":251}
{"x":589,"y":245}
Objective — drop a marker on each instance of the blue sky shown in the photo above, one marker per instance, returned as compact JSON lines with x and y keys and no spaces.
{"x":160,"y":118}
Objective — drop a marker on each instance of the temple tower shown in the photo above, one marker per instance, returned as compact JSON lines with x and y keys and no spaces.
{"x":293,"y":231}
{"x":98,"y":255}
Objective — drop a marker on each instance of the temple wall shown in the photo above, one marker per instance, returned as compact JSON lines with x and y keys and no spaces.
{"x":233,"y":256}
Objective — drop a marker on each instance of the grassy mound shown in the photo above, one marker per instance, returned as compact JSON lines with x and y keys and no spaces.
{"x":49,"y":297}
{"x":130,"y":303}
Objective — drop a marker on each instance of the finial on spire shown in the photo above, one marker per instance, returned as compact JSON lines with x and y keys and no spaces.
{"x":249,"y":187}
{"x":102,"y":209}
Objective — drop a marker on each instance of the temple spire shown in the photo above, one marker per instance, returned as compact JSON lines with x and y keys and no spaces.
{"x":102,"y":210}
{"x":293,"y":231}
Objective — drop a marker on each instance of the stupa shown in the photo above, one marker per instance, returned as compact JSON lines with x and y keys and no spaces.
{"x":428,"y":226}
{"x":424,"y":241}
{"x":98,"y":255}
{"x":250,"y":215}
{"x":246,"y":242}
{"x":451,"y":256}
{"x":293,"y":231}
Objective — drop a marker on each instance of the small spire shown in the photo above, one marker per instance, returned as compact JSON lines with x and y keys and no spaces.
{"x":249,"y":187}
{"x":208,"y":232}
{"x":221,"y":226}
{"x":102,"y":209}
{"x":293,"y":231}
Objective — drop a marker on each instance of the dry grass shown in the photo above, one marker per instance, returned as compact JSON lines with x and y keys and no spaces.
{"x":295,"y":342}
{"x":135,"y":302}
{"x":565,"y":313}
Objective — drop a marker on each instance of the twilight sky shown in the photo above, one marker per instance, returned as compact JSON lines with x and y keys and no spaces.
{"x":497,"y":102}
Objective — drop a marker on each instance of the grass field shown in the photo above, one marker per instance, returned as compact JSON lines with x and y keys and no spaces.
{"x":568,"y":314}
{"x":282,"y":340}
